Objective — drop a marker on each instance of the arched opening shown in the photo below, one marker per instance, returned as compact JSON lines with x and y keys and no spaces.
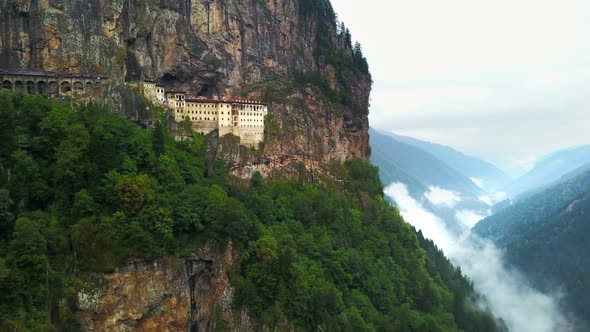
{"x":31,"y":87}
{"x":65,"y":88}
{"x":7,"y":85}
{"x":19,"y":86}
{"x":53,"y":88}
{"x":78,"y":87}
{"x":42,"y":87}
{"x":97,"y":87}
{"x":88,"y":86}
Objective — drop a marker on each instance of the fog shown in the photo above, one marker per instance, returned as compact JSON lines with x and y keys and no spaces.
{"x":439,"y":196}
{"x":510,"y":297}
{"x":502,"y":80}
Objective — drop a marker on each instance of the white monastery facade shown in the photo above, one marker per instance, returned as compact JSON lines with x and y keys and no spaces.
{"x":243,"y":118}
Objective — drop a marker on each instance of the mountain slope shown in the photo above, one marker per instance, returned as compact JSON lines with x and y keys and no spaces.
{"x":471,"y":167}
{"x":143,"y":237}
{"x":545,"y":235}
{"x":550,"y":169}
{"x":423,"y":167}
{"x":438,"y":187}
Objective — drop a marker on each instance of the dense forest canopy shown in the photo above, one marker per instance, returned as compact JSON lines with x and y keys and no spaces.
{"x":544,"y":234}
{"x":83,"y":190}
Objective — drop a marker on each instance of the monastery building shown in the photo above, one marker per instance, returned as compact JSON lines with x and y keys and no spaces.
{"x":243,"y":118}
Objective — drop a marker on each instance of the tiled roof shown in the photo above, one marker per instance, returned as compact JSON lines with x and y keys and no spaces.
{"x":224,"y":101}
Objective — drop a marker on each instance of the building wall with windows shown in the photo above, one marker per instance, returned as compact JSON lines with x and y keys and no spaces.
{"x":243,"y":118}
{"x":154,"y":92}
{"x":175,"y":100}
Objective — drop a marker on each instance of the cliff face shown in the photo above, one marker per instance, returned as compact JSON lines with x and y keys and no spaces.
{"x":289,"y":54}
{"x":167,"y":294}
{"x":229,"y":48}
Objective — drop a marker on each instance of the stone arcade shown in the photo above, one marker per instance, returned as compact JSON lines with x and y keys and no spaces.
{"x":53,"y":84}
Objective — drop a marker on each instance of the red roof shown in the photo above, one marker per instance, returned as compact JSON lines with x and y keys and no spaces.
{"x":224,"y":101}
{"x":202,"y":100}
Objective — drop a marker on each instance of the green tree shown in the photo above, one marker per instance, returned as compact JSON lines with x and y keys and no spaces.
{"x":6,"y":215}
{"x":134,"y":192}
{"x":257,"y":180}
{"x":29,"y":273}
{"x":72,"y":166}
{"x":26,"y":184}
{"x":159,"y":139}
{"x":225,"y":215}
{"x":28,"y":249}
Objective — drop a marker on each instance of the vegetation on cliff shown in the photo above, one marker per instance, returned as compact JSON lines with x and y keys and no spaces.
{"x":83,"y":190}
{"x":544,"y":234}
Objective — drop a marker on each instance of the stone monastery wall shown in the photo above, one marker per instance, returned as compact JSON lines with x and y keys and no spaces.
{"x":243,"y":118}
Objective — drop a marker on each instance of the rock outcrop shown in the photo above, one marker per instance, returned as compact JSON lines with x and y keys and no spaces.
{"x":230,"y":48}
{"x":167,"y":294}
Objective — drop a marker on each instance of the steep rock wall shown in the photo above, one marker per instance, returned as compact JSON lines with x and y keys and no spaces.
{"x":229,"y":48}
{"x":167,"y":294}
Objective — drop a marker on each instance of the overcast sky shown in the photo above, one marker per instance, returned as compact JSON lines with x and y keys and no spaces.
{"x":505,"y":80}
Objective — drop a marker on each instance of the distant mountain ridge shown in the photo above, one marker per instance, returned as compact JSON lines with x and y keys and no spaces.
{"x":469,"y":166}
{"x":399,"y":161}
{"x":422,"y":173}
{"x":550,"y":169}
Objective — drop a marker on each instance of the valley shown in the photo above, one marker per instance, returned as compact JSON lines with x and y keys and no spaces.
{"x":294,"y":165}
{"x":525,"y":253}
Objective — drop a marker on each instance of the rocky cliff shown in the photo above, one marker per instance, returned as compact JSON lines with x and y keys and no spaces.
{"x":290,"y":54}
{"x":168,"y":294}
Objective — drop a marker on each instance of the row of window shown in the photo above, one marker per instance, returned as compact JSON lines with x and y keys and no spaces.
{"x":191,"y":105}
{"x":247,"y":107}
{"x":211,"y":113}
{"x":251,"y":114}
{"x":194,"y":118}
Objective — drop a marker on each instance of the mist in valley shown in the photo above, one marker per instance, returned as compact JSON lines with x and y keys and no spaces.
{"x":510,"y":296}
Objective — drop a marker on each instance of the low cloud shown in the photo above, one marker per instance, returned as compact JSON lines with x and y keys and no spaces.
{"x":478,"y":182}
{"x":412,"y":210}
{"x":468,"y":218}
{"x":493,"y":198}
{"x":522,"y":307}
{"x":439,"y":196}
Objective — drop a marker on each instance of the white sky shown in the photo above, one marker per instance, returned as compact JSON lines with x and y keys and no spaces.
{"x":505,"y":80}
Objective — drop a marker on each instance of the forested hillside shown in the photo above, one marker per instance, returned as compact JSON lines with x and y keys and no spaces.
{"x":84,"y":190}
{"x":544,"y":235}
